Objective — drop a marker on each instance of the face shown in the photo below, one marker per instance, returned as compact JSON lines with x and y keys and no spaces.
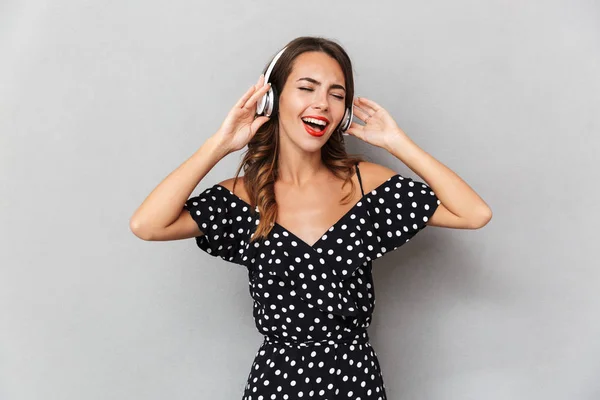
{"x":313,"y":94}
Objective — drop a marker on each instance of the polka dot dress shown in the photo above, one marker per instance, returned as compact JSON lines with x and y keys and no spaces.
{"x":314,"y":303}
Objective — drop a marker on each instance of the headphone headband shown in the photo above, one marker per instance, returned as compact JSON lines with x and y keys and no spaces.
{"x":268,"y":73}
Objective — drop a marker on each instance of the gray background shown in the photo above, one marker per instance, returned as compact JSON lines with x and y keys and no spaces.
{"x":99,"y":101}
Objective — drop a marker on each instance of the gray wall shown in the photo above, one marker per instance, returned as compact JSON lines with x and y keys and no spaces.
{"x":99,"y":101}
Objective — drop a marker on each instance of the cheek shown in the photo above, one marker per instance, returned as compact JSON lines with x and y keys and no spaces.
{"x":285,"y":104}
{"x":341,"y":111}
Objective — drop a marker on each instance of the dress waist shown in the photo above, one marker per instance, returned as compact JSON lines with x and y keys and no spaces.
{"x":359,"y":337}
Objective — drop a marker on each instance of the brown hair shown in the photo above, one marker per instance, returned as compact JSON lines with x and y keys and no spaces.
{"x":260,"y":160}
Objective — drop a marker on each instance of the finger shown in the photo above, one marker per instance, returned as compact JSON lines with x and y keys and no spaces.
{"x":359,"y":103}
{"x":257,"y":123}
{"x":245,"y":97}
{"x":360,"y":114}
{"x":366,"y":103}
{"x":355,"y":130}
{"x":356,"y":127}
{"x":258,"y":94}
{"x":261,"y":82}
{"x":362,"y":104}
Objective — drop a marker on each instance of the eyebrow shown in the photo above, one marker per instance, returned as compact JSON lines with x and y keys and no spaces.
{"x":316,"y":82}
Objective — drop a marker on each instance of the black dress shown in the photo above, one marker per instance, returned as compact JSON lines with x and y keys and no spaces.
{"x":313,"y":303}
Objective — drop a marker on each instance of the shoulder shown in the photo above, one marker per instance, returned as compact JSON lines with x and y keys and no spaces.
{"x":240,"y":187}
{"x":373,"y":175}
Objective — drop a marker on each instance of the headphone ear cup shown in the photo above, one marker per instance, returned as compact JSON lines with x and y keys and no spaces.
{"x":270,"y":104}
{"x":274,"y":102}
{"x":261,"y":104}
{"x":346,"y":121}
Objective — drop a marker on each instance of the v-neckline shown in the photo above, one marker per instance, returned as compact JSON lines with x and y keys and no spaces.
{"x":277,"y":224}
{"x":312,"y":246}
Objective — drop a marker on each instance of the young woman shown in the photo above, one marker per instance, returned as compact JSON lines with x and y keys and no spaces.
{"x":306,"y":240}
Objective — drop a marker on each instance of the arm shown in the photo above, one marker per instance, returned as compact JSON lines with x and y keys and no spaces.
{"x":161,"y":216}
{"x":461,"y":207}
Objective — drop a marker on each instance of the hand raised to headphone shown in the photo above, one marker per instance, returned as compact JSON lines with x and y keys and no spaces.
{"x":379,"y":129}
{"x":240,"y":125}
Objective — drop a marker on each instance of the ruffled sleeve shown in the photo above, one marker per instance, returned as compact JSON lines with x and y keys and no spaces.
{"x":398,"y":209}
{"x":225,"y":222}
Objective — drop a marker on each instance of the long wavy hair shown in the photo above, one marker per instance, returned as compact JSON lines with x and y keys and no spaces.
{"x":259,"y":161}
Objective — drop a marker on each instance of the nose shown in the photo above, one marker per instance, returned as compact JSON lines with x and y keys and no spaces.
{"x":321,"y":102}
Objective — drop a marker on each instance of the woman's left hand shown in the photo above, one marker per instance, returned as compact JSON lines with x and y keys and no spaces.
{"x":379,"y":129}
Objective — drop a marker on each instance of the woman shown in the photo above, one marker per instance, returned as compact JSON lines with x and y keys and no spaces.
{"x":306,"y":241}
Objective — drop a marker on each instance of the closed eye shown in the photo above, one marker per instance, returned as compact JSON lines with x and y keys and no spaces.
{"x":334,"y":95}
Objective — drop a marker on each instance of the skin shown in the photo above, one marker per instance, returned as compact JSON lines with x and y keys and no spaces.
{"x":300,"y":153}
{"x":308,"y":195}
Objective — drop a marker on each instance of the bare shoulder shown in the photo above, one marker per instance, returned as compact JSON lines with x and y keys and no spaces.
{"x":373,"y":175}
{"x":240,"y":188}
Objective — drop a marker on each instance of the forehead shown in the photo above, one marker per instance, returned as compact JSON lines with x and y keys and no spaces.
{"x":317,"y":65}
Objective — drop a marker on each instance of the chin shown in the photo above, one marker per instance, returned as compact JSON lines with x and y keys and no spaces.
{"x":304,"y":139}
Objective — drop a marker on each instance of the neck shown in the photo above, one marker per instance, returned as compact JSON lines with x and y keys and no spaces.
{"x":298,"y":167}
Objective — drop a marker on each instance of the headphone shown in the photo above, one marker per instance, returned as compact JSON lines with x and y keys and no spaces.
{"x":268,"y":103}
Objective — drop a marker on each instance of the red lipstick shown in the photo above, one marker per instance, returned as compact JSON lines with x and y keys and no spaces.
{"x":317,"y":117}
{"x":310,"y":130}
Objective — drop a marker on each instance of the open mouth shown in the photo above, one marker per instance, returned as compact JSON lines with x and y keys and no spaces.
{"x":314,"y":125}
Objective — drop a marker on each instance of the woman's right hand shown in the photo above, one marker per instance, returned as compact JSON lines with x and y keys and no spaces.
{"x":240,"y":125}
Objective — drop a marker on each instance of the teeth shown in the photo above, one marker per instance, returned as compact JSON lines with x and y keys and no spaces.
{"x":315,"y":121}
